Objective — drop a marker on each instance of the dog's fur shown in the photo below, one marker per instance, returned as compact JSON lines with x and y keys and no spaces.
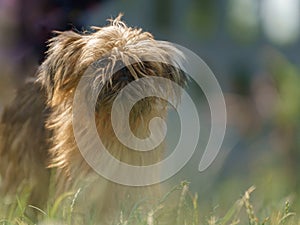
{"x":36,"y":130}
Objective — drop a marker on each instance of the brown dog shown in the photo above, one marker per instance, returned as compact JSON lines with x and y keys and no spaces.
{"x":36,"y":133}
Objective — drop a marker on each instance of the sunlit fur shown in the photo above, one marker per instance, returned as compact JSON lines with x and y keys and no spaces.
{"x":40,"y":139}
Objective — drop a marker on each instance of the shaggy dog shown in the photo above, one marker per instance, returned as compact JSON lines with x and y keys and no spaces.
{"x":37,"y":137}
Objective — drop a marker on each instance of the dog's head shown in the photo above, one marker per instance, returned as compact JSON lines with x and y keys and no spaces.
{"x":118,"y":54}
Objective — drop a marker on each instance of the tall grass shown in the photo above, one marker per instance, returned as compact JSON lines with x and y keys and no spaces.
{"x":179,"y":206}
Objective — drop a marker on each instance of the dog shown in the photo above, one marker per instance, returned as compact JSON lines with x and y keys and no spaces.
{"x":37,"y":144}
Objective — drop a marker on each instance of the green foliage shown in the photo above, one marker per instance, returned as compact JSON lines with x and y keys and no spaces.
{"x":287,"y":78}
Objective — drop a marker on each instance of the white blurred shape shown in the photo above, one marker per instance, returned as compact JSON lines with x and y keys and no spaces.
{"x":280,"y":20}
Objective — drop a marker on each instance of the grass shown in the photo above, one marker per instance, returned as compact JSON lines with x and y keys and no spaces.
{"x":185,"y":212}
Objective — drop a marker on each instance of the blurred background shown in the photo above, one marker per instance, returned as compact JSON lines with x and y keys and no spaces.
{"x":252,"y":46}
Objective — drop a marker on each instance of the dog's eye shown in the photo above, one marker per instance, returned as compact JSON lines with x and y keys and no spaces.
{"x":123,"y":75}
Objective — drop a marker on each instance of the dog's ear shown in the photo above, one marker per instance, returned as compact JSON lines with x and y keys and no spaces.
{"x":60,"y":71}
